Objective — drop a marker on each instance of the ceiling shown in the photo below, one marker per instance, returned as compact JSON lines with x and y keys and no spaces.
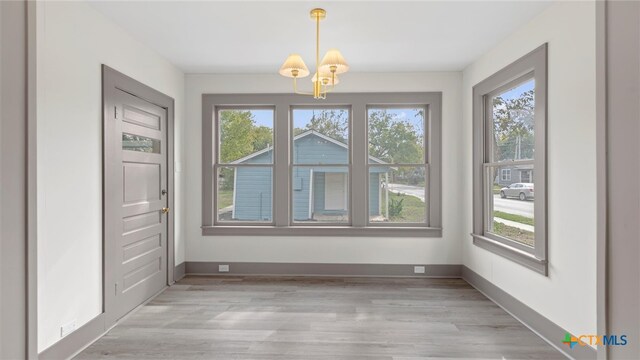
{"x":374,"y":36}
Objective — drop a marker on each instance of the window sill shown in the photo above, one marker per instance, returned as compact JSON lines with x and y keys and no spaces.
{"x":377,"y":231}
{"x":516,"y":255}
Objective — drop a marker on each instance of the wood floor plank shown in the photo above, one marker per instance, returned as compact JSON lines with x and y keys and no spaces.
{"x":289,"y":318}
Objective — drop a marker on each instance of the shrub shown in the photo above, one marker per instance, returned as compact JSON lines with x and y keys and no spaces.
{"x":395,"y":208}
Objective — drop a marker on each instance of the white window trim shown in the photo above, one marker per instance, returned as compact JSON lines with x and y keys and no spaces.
{"x":358,"y":195}
{"x":532,"y":65}
{"x":505,"y":174}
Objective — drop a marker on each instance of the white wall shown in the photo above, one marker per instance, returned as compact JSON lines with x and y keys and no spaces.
{"x":73,"y":41}
{"x":568,"y":295}
{"x":445,"y":250}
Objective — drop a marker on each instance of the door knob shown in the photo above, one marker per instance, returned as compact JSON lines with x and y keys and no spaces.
{"x":165,"y":210}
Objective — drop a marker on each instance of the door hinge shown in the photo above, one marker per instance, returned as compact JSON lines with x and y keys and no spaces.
{"x":116,"y":288}
{"x":115,"y":112}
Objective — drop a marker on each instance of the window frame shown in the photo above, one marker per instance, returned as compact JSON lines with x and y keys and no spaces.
{"x":217,"y":164}
{"x":424,"y":163}
{"x":530,"y":66}
{"x":348,"y":164}
{"x":358,"y":195}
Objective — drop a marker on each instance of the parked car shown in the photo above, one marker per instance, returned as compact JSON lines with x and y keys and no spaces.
{"x":522,"y":191}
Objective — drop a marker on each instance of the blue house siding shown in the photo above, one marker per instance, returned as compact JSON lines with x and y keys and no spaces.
{"x":253,"y":196}
{"x":253,"y":190}
{"x":301,"y":194}
{"x":264,"y":158}
{"x":374,"y":193}
{"x":319,"y":192}
{"x":316,"y":150}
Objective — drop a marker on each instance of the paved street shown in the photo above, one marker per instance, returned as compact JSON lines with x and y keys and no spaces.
{"x":408,"y":190}
{"x":513,"y":206}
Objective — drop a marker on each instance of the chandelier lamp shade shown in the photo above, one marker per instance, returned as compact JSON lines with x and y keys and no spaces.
{"x":325,"y":76}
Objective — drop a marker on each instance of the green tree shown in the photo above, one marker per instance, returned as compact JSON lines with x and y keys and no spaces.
{"x":330,"y":122}
{"x":394,"y":140}
{"x":513,"y":127}
{"x":239,"y":137}
{"x":262,"y":138}
{"x":236,"y":134}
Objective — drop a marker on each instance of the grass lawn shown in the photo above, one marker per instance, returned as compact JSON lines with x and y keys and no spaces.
{"x":513,"y":233}
{"x":514,"y":217}
{"x":413,"y":209}
{"x":496,"y":189}
{"x":225,"y":198}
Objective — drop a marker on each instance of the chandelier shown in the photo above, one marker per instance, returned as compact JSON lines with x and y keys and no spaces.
{"x":325,"y":77}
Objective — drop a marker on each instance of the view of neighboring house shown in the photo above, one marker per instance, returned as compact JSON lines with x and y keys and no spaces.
{"x":508,"y":175}
{"x":319,"y":192}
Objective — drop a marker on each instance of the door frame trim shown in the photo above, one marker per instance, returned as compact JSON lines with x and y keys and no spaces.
{"x":112,"y":80}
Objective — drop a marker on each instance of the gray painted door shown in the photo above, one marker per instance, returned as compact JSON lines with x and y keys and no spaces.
{"x":141,"y":239}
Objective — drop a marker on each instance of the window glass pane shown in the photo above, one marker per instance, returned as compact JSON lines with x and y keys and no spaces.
{"x":140,"y":143}
{"x":320,"y":194}
{"x":320,"y":136}
{"x":244,"y":193}
{"x":396,"y":135}
{"x":513,"y":123}
{"x":397,"y":194}
{"x":246,"y":136}
{"x":511,"y":203}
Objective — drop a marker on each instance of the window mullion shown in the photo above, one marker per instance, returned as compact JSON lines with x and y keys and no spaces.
{"x":208,"y":175}
{"x":434,"y":163}
{"x":359,"y":171}
{"x":488,"y":130}
{"x":281,"y":176}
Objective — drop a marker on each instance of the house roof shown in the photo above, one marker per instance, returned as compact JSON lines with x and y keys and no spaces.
{"x":298,"y":137}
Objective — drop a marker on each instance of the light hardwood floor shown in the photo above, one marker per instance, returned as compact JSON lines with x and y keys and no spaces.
{"x":320,"y":318}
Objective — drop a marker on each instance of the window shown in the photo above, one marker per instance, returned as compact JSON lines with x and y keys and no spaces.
{"x":397,"y":165}
{"x":506,"y":174}
{"x":320,"y":165}
{"x":244,"y":165}
{"x":355,"y":164}
{"x":509,"y":136}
